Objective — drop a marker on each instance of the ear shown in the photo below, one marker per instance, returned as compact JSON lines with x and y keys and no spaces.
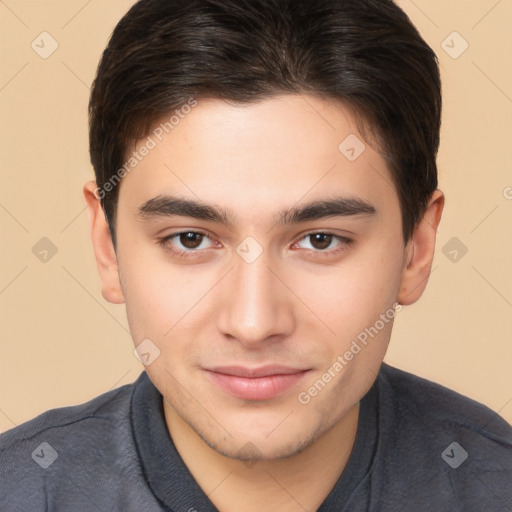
{"x":106,"y":258}
{"x":419,"y":252}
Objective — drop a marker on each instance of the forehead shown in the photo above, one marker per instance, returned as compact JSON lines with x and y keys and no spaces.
{"x":252,"y":158}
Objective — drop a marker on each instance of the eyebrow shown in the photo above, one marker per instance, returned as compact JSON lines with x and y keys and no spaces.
{"x":168,"y":206}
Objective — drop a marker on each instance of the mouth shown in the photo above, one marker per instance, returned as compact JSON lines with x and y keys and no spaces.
{"x":262,"y":383}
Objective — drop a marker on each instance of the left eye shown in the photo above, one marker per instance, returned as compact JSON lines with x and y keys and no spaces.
{"x":189,"y":240}
{"x":323,"y":241}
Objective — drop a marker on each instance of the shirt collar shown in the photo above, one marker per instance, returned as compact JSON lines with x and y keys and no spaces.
{"x":173,"y":484}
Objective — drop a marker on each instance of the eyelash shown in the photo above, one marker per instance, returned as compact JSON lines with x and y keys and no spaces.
{"x":164,"y":242}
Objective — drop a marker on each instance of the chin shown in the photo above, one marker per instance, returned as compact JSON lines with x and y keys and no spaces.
{"x":251,"y":453}
{"x":251,"y":447}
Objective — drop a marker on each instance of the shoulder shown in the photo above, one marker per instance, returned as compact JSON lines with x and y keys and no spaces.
{"x":60,"y":452}
{"x":102,"y":409}
{"x":439,"y":442}
{"x":431,"y":403}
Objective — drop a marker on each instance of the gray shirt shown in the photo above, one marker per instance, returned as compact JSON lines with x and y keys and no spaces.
{"x":419,"y":447}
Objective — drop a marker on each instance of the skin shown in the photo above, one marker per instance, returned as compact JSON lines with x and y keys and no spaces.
{"x":300,"y":303}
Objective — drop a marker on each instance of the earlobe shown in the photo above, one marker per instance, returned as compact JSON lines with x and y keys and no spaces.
{"x":106,"y":258}
{"x":419,"y":252}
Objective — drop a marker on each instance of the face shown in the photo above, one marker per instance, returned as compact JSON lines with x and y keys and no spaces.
{"x":254,"y":251}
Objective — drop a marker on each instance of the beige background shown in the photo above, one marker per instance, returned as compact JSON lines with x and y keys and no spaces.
{"x":62,"y":344}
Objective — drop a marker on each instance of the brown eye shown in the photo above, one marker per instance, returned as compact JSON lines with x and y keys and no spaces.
{"x":323,"y":244}
{"x":186,"y":243}
{"x":321,"y":241}
{"x":191,"y":240}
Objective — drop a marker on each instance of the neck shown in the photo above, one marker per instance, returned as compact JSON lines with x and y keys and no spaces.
{"x":299,"y":482}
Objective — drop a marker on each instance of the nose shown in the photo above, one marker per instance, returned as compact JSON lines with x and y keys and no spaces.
{"x":256,"y":307}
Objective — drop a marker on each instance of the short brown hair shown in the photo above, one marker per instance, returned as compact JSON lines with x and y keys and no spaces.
{"x":366,"y":53}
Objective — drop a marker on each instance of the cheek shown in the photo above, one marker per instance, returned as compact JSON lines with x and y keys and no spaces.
{"x":354,"y":296}
{"x":153,"y":294}
{"x":163,"y":300}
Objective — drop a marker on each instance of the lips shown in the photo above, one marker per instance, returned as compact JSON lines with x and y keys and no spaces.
{"x":261,"y":383}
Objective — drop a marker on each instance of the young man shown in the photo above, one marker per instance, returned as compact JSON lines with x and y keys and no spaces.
{"x":265,"y":202}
